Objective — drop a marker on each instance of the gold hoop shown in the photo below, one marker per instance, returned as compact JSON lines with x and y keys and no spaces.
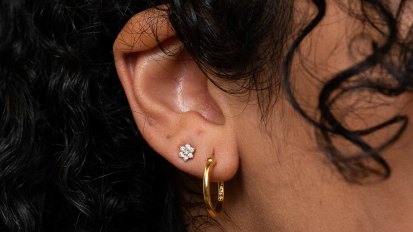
{"x":207,"y":193}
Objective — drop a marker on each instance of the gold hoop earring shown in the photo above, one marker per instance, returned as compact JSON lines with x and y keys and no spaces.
{"x":207,"y":193}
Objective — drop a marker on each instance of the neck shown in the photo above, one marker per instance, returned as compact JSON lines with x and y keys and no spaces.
{"x":288,"y":185}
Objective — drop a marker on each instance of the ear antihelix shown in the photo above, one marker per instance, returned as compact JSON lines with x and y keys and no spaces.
{"x":172,"y":82}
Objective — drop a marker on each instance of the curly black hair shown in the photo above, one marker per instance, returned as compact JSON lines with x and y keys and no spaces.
{"x":71,"y":157}
{"x":238,"y":41}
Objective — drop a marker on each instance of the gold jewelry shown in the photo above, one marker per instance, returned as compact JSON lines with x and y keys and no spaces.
{"x":207,"y":193}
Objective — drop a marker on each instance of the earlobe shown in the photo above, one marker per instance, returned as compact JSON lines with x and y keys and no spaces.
{"x":173,"y":95}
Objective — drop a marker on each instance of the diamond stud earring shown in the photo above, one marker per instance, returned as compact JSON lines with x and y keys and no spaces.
{"x":186,"y":152}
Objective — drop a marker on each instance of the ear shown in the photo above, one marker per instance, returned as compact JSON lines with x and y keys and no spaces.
{"x":172,"y":101}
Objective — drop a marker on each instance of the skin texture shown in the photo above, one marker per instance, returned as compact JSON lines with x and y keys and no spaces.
{"x":277,"y":179}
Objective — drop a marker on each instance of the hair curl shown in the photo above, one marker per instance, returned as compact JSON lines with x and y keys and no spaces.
{"x":71,"y":157}
{"x":254,"y":38}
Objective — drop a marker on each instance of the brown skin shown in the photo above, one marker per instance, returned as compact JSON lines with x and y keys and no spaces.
{"x":276,"y":177}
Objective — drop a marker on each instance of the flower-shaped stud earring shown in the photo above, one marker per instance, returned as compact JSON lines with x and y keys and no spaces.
{"x":186,"y":152}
